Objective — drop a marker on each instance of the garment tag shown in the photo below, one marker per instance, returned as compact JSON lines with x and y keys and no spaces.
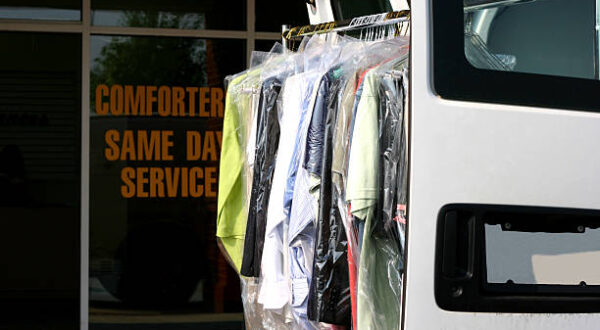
{"x":367,"y":20}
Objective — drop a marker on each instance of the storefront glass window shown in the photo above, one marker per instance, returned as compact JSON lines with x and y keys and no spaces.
{"x":156,"y":116}
{"x":64,"y":10}
{"x":40,"y":179}
{"x":176,"y":14}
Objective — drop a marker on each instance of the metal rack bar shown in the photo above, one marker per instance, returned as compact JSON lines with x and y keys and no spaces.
{"x":356,"y":23}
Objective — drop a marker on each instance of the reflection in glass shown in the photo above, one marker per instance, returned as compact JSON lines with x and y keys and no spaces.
{"x":64,"y":10}
{"x":542,"y":258}
{"x":551,"y":37}
{"x":144,"y":19}
{"x":176,"y":14}
{"x":156,"y":251}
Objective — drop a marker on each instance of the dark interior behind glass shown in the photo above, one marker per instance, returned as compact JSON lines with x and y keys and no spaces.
{"x":40,"y":151}
{"x":552,"y":37}
{"x":272,"y":14}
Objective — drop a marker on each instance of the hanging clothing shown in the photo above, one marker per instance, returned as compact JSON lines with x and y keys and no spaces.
{"x":362,"y":187}
{"x":233,"y":173}
{"x":355,"y":227}
{"x":267,"y":140}
{"x":312,"y":194}
{"x":274,"y":269}
{"x":392,"y":158}
{"x":380,"y":271}
{"x":330,"y":289}
{"x":301,"y":229}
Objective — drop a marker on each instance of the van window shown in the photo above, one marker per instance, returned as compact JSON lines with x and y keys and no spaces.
{"x":552,"y":37}
{"x":517,"y":259}
{"x":541,"y":53}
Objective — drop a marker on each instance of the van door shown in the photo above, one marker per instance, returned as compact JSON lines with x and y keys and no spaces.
{"x":504,"y":169}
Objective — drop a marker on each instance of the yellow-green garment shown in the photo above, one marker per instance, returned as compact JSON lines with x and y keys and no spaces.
{"x":232,"y":210}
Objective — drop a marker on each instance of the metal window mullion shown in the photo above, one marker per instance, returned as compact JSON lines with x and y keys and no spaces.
{"x":85,"y":164}
{"x":161,"y":32}
{"x":40,"y":26}
{"x":251,"y":29}
{"x":267,"y":35}
{"x":78,"y":27}
{"x":84,"y":26}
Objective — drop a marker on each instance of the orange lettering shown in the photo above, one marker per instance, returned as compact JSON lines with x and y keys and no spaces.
{"x":141,"y":180}
{"x":193,"y":145}
{"x":192,"y":100}
{"x":128,"y":188}
{"x":178,"y":101}
{"x":209,"y":180}
{"x":216,"y":102}
{"x":112,"y":151}
{"x":184,"y":182}
{"x":204,"y":100}
{"x":148,"y":150}
{"x":164,"y":101}
{"x":196,"y":190}
{"x":128,"y":147}
{"x":116,"y":100}
{"x":133,"y":104}
{"x":157,"y":187}
{"x":101,"y":107}
{"x":172,"y":180}
{"x":219,"y":138}
{"x":150,"y":99}
{"x":166,"y":144}
{"x":209,"y":147}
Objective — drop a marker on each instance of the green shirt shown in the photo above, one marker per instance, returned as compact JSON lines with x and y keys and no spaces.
{"x":232,"y":199}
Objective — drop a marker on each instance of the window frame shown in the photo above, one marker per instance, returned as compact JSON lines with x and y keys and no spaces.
{"x":86,"y":30}
{"x":481,"y":85}
{"x":471,"y":292}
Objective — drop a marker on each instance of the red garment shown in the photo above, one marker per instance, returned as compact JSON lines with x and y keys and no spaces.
{"x":353,"y":277}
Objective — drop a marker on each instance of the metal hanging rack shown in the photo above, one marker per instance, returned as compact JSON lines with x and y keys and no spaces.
{"x":357,"y":23}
